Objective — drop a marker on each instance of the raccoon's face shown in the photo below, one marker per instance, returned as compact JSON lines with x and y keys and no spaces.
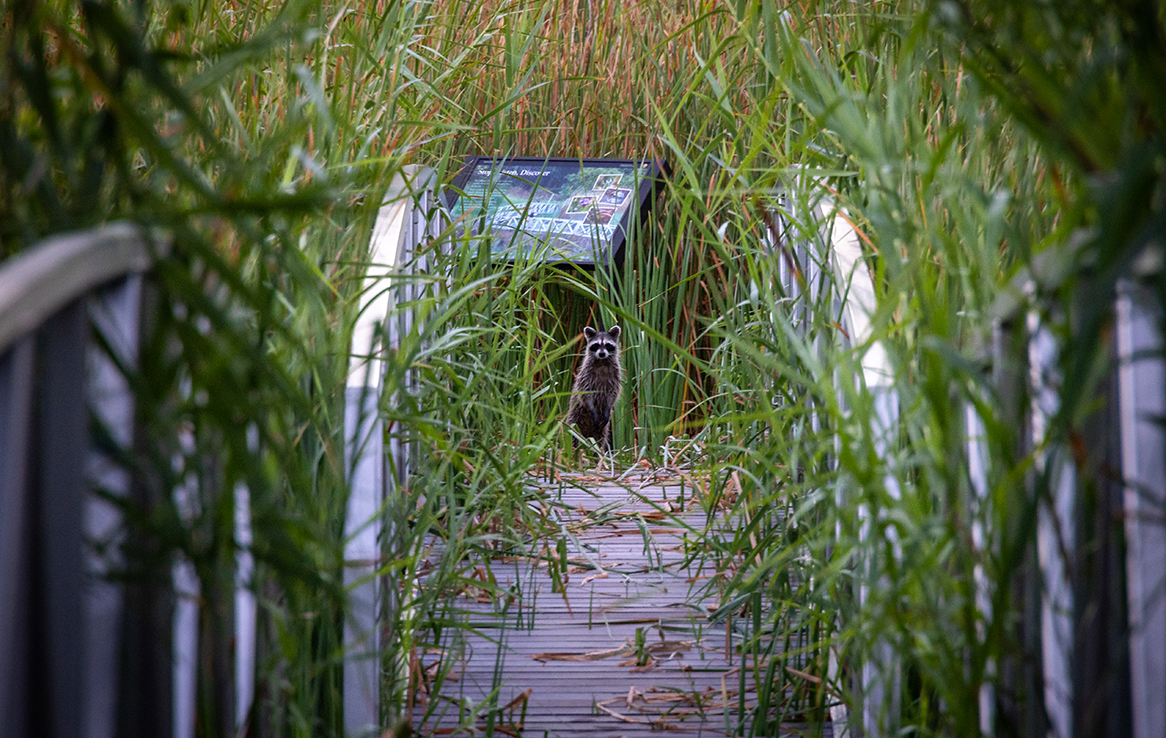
{"x":602,"y":345}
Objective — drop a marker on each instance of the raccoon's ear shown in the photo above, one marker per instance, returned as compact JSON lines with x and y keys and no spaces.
{"x":589,"y":333}
{"x":613,"y":331}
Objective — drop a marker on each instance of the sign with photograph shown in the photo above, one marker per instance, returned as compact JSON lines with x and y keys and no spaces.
{"x":555,"y":209}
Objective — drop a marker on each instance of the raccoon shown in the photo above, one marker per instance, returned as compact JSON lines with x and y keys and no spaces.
{"x":597,"y":386}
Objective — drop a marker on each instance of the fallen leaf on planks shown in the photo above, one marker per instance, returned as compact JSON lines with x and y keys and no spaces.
{"x":589,"y":656}
{"x":804,"y":675}
{"x":632,"y":694}
{"x":520,"y":699}
{"x":618,"y":716}
{"x":600,"y":575}
{"x":653,"y":515}
{"x":669,"y":647}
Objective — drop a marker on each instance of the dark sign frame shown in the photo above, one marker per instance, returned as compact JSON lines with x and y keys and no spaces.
{"x":564,"y":208}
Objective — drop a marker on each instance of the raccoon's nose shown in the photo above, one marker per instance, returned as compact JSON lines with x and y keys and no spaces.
{"x":601,"y":354}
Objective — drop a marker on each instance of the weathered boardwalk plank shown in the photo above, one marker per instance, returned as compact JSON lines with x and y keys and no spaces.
{"x":625,"y":650}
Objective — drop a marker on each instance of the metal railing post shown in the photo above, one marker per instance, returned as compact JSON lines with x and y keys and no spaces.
{"x":16,"y":383}
{"x":115,"y":312}
{"x":1142,"y":406}
{"x":372,"y":477}
{"x":60,"y":617}
{"x":878,"y":678}
{"x":1056,"y":531}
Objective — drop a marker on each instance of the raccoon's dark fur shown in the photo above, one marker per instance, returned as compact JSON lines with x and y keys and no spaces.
{"x":597,"y":386}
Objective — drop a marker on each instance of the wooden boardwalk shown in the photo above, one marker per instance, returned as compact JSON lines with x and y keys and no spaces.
{"x":623,"y":648}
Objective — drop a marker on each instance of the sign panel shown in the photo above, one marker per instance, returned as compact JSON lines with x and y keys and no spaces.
{"x":555,"y":209}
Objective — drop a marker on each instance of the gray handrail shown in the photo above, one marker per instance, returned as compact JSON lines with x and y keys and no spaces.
{"x":377,"y":465}
{"x":51,"y":382}
{"x":1141,"y":403}
{"x":37,"y":283}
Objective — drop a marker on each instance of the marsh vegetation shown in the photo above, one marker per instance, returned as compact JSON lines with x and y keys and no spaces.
{"x":1001,"y":164}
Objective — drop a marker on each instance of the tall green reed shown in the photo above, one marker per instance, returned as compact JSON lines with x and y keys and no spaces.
{"x":113,"y":111}
{"x":959,"y":156}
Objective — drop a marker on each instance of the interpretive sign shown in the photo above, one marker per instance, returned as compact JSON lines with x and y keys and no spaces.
{"x":576,"y":210}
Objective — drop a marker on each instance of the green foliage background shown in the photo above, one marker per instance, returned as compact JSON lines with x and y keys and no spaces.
{"x":999,"y":160}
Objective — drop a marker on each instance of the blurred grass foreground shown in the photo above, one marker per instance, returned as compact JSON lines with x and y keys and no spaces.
{"x":905,"y":542}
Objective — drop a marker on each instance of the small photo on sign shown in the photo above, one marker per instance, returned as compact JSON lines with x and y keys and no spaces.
{"x":600,"y":215}
{"x":614,"y":197}
{"x":580,"y":204}
{"x":605,"y":181}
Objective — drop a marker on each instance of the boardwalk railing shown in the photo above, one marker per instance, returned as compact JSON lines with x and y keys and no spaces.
{"x":63,"y":628}
{"x":1142,"y":417}
{"x":83,"y":653}
{"x":821,"y":262}
{"x":378,"y":465}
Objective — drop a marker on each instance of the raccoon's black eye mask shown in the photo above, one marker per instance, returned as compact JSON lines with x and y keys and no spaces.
{"x":608,"y":347}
